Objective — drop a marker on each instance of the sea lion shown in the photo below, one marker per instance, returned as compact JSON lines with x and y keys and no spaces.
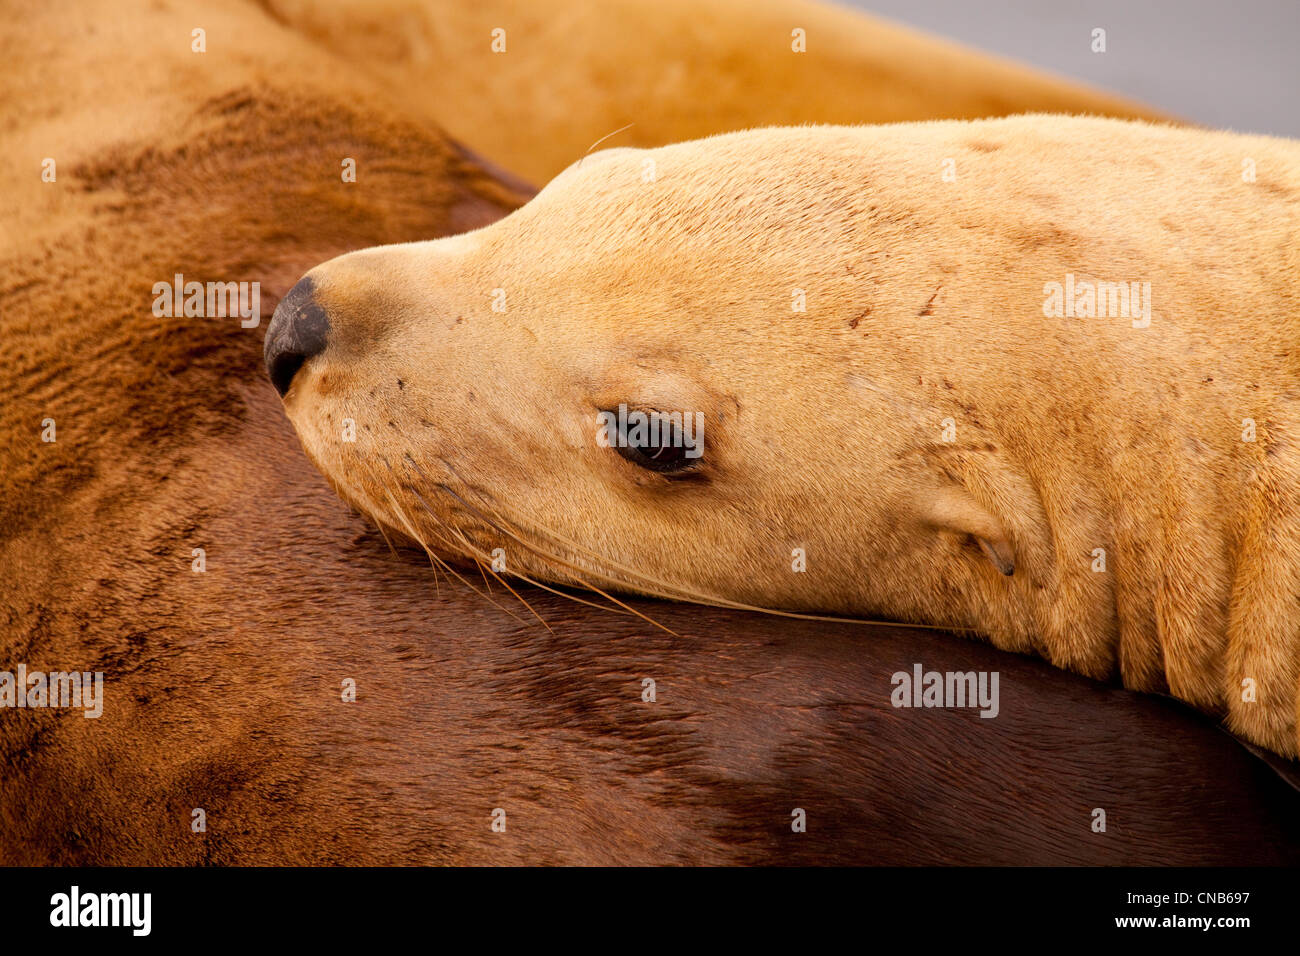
{"x":534,"y":85}
{"x":1032,"y":378}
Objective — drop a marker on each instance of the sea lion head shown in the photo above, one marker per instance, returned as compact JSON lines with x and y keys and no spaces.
{"x":484,"y":391}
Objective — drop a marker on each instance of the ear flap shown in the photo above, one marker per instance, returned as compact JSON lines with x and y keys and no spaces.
{"x":953,"y":509}
{"x":998,"y":550}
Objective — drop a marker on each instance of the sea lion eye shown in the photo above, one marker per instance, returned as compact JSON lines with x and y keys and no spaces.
{"x":656,"y":441}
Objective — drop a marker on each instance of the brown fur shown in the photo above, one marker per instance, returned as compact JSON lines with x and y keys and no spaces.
{"x":926,"y":303}
{"x":223,"y":688}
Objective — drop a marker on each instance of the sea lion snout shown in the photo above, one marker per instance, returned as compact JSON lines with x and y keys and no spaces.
{"x":298,"y":331}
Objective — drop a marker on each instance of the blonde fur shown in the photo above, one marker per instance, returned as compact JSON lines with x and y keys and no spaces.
{"x":565,"y":74}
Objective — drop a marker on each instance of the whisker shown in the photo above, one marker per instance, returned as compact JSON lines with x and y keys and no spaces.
{"x":676,"y":592}
{"x":601,"y":140}
{"x":415,"y":535}
{"x":555,"y":559}
{"x":500,"y":580}
{"x":629,"y":576}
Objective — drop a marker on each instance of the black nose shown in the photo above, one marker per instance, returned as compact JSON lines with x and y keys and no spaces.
{"x":298,"y":330}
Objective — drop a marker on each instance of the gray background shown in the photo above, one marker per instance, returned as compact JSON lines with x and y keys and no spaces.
{"x":1229,"y":64}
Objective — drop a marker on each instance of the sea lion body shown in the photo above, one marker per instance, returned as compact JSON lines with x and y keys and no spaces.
{"x":534,"y":85}
{"x":888,"y":334}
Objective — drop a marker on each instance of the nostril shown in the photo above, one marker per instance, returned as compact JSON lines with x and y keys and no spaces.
{"x":298,"y":330}
{"x":282,"y":368}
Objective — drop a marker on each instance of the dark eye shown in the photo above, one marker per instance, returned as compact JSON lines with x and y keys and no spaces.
{"x":665,"y":443}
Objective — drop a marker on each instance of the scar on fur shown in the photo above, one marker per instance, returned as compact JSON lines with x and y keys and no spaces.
{"x":929,"y":310}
